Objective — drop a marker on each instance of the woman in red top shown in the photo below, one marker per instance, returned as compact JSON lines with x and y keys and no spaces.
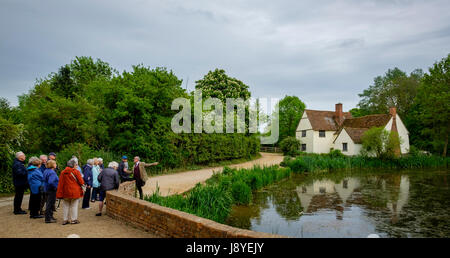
{"x":70,"y":190}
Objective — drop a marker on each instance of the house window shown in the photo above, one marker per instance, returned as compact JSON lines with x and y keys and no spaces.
{"x":303,"y":133}
{"x":344,"y":146}
{"x":303,"y":147}
{"x":321,"y":133}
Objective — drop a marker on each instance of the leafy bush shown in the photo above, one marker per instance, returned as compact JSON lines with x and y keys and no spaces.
{"x":336,"y":154}
{"x":6,"y":183}
{"x":290,"y":146}
{"x":11,"y":137}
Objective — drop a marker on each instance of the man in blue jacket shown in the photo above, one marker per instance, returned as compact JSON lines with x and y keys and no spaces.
{"x":20,"y":181}
{"x":88,"y":179}
{"x":50,"y":186}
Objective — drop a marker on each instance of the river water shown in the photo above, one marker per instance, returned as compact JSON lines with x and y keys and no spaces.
{"x":389,"y":203}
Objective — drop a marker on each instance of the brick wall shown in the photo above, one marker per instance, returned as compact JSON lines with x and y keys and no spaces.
{"x":167,"y":222}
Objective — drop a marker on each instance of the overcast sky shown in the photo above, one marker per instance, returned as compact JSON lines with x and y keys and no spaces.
{"x":321,"y":51}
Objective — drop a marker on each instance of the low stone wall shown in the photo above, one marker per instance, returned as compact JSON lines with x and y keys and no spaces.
{"x":167,"y":222}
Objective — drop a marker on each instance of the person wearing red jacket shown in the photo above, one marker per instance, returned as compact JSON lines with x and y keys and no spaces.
{"x":70,"y":190}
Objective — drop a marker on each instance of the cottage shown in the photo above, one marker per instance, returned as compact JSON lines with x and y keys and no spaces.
{"x":321,"y":131}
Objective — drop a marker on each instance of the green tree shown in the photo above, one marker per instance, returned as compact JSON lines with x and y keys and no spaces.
{"x":72,"y":79}
{"x":290,"y":112}
{"x":433,"y":106}
{"x":357,"y":112}
{"x":137,"y":111}
{"x":52,"y":121}
{"x":381,"y":143}
{"x":56,"y":111}
{"x":217,"y":84}
{"x":395,"y":88}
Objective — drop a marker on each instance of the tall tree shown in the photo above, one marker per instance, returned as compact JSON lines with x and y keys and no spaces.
{"x":290,"y":112}
{"x":395,"y":88}
{"x":433,"y":101}
{"x":217,"y":84}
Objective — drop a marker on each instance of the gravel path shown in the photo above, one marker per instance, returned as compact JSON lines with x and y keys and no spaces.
{"x":184,"y":181}
{"x":12,"y":226}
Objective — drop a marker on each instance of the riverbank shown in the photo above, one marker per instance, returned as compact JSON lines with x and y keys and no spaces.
{"x":214,"y":199}
{"x":326,"y":162}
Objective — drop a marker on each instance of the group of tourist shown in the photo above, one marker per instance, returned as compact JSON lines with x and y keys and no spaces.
{"x":74,"y":183}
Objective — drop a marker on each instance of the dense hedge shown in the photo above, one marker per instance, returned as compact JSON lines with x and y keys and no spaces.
{"x":214,"y":199}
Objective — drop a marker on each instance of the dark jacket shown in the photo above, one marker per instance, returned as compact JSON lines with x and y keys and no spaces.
{"x":19,"y":173}
{"x":87,"y":175}
{"x":121,"y":171}
{"x":42,"y":168}
{"x":50,"y":180}
{"x":108,"y":179}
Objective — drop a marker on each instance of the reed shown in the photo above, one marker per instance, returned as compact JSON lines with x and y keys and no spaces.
{"x":315,"y":162}
{"x":214,"y":199}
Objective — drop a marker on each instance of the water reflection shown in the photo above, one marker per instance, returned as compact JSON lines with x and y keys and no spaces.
{"x":344,"y":204}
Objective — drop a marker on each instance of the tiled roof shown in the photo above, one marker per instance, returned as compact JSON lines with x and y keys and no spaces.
{"x":355,"y":133}
{"x":367,"y":121}
{"x":356,"y":127}
{"x":324,"y":120}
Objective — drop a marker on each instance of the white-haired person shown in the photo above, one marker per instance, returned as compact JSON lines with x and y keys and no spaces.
{"x":100,"y":164}
{"x":109,"y":180}
{"x":70,"y":190}
{"x":20,"y":181}
{"x":140,"y":174}
{"x":78,"y":165}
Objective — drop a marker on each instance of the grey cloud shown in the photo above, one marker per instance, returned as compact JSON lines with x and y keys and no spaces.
{"x":324,"y":52}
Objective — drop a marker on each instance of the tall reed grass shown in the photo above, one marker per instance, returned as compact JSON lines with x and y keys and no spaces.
{"x":315,"y":162}
{"x":214,"y":199}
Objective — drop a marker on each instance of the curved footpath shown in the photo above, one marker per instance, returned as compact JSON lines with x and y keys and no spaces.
{"x":91,"y":226}
{"x":184,"y":181}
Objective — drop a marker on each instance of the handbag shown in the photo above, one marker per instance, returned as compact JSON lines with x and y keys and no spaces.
{"x":83,"y":187}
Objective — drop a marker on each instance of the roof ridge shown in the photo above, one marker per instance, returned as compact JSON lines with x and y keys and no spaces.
{"x":324,"y":110}
{"x":370,"y":115}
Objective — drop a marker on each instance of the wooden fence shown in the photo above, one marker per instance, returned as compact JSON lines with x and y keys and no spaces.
{"x":271,"y":149}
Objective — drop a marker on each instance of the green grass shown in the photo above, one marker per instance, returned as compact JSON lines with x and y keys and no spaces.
{"x":214,"y":199}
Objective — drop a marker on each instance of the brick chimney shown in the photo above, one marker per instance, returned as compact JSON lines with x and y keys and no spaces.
{"x":339,"y":113}
{"x":393,"y":113}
